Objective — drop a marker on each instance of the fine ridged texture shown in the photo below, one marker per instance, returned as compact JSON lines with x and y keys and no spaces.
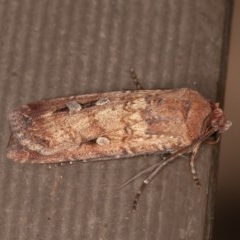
{"x":58,"y":48}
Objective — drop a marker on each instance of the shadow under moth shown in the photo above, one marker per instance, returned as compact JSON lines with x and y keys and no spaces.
{"x":113,"y":125}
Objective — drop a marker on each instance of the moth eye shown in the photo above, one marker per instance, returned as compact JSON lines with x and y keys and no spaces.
{"x":102,"y":101}
{"x":103,"y":141}
{"x":74,"y":106}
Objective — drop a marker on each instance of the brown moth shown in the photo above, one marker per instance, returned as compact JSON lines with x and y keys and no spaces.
{"x":114,"y":125}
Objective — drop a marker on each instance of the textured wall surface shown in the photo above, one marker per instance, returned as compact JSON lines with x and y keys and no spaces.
{"x":58,"y":48}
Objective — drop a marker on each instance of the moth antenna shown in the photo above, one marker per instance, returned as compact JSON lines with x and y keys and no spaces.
{"x":135,"y":79}
{"x":138,"y":175}
{"x":146,"y":170}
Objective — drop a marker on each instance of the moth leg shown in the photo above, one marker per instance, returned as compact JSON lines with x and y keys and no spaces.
{"x":138,"y":194}
{"x":167,"y":161}
{"x":193,"y":147}
{"x":147,"y":180}
{"x":135,"y":79}
{"x":192,"y":164}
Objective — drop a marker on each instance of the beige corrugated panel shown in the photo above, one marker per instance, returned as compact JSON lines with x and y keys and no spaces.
{"x":58,"y":48}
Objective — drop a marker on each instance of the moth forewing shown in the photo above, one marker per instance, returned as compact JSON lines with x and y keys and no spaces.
{"x":107,"y":125}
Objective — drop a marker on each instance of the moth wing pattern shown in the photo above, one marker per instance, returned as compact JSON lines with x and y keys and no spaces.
{"x":107,"y":125}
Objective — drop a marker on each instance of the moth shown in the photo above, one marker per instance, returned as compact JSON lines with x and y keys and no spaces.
{"x":114,"y":125}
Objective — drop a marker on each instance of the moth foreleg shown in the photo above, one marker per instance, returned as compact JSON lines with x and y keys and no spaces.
{"x":138,"y":194}
{"x":147,"y":180}
{"x":192,"y":164}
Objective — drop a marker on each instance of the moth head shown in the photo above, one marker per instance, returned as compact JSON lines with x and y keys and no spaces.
{"x":219,"y":121}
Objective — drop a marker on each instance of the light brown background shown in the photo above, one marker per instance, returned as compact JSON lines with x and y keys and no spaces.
{"x":228,"y":200}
